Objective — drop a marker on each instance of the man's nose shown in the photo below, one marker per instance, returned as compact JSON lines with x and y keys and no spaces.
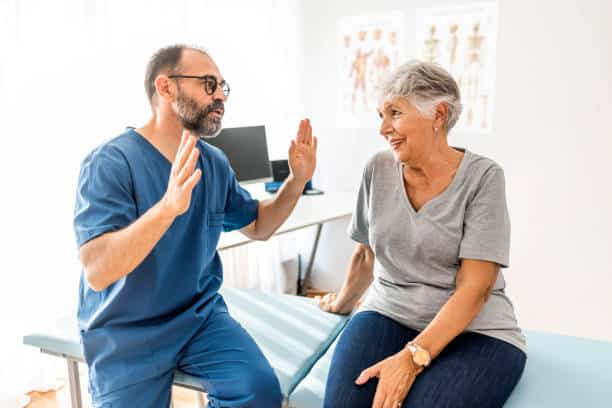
{"x":219,"y":94}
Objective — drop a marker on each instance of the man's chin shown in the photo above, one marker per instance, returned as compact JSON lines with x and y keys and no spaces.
{"x":208,"y":135}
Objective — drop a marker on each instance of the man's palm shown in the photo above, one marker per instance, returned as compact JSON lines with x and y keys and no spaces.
{"x":303,"y":153}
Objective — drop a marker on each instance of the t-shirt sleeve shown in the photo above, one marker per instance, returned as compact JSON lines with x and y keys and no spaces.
{"x":240,"y":208}
{"x":104,"y":201}
{"x":486,"y":227}
{"x":358,"y":229}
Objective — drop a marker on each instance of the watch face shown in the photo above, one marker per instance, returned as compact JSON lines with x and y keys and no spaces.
{"x":421,"y":357}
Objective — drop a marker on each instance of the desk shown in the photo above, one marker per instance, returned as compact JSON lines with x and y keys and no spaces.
{"x":310,"y":211}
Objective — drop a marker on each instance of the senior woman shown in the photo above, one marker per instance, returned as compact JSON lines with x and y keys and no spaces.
{"x":432,"y":230}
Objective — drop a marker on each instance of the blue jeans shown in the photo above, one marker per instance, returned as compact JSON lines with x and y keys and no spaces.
{"x":474,"y":370}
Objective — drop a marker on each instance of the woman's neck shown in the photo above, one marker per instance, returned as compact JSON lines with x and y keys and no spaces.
{"x":438,"y":163}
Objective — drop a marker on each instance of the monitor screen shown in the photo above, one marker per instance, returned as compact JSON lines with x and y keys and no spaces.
{"x":247,"y":151}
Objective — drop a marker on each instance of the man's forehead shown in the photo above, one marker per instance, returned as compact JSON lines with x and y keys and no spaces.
{"x":197,"y":63}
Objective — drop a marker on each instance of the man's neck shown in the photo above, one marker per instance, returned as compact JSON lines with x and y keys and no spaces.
{"x":165,"y":135}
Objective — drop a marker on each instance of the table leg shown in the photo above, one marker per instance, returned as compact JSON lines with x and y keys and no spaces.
{"x":75,"y":384}
{"x":313,"y":253}
{"x":201,"y":402}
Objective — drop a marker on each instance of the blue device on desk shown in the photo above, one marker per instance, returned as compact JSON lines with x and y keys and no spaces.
{"x":273,"y":186}
{"x":280,"y":171}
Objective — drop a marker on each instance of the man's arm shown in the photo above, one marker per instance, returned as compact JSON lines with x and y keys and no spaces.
{"x":113,"y":255}
{"x":273,"y":212}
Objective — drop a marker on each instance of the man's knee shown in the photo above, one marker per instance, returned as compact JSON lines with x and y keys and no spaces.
{"x":263,"y":386}
{"x":255,"y":387}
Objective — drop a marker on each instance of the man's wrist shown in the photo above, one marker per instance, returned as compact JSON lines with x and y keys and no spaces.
{"x":165,"y":210}
{"x":295,"y":185}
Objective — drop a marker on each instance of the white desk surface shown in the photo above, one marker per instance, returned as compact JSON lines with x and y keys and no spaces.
{"x":310,"y":210}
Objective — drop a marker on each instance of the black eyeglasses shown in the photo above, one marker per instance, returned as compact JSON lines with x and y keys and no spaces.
{"x":210,"y":83}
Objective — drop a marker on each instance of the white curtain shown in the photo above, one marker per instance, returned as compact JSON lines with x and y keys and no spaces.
{"x":71,"y":76}
{"x":270,"y":266}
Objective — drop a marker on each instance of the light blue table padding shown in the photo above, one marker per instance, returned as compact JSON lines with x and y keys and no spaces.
{"x":561,"y":371}
{"x":291,"y":331}
{"x":309,"y":393}
{"x":564,"y":371}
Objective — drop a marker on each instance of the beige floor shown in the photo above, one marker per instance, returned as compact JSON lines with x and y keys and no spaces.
{"x":182,"y":398}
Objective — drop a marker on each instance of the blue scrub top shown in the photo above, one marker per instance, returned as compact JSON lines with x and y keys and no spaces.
{"x":176,"y":285}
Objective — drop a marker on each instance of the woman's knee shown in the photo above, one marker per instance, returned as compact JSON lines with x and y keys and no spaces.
{"x":341,"y":390}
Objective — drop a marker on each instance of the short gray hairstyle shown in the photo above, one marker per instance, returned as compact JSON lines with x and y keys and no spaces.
{"x":425,"y":85}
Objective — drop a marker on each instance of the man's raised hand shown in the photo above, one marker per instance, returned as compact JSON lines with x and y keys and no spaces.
{"x":183,"y":176}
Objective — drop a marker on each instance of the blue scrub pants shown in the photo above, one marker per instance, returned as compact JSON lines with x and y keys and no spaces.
{"x":474,"y":370}
{"x":231,"y":367}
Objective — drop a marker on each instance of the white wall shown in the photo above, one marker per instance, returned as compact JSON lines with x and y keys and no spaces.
{"x":554,"y":139}
{"x":551,"y":134}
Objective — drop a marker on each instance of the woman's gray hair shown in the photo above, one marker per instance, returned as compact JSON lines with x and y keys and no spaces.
{"x":425,"y":85}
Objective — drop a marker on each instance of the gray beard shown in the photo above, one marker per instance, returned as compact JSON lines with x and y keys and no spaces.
{"x":211,"y":136}
{"x":195,"y":119}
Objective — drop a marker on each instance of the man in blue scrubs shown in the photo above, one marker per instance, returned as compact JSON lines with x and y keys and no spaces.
{"x":151,"y":204}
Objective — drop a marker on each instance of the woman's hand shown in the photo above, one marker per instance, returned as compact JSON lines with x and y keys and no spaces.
{"x":395,"y":377}
{"x":331,"y":303}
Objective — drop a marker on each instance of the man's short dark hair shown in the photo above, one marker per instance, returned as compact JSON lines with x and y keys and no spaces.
{"x":165,"y":61}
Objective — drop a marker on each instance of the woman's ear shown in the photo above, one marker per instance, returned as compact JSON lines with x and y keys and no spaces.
{"x":440,"y":116}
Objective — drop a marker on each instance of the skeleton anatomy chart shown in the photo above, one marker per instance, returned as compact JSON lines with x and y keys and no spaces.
{"x":368,"y":50}
{"x":463,"y":40}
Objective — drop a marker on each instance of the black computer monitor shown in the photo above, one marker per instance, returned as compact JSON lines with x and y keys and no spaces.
{"x":247,"y":151}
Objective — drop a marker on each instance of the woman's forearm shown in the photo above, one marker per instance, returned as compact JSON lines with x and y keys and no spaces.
{"x":474,"y":282}
{"x":458,"y":312}
{"x":359,"y":276}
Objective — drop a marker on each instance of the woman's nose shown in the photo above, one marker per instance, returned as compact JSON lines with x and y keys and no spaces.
{"x":385,"y":128}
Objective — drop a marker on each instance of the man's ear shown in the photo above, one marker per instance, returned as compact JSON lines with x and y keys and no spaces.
{"x":164,"y":88}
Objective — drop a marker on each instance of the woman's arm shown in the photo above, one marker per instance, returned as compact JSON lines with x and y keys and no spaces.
{"x":475,"y":280}
{"x":358,"y":279}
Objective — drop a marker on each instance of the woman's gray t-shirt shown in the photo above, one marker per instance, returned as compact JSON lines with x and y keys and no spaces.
{"x":418,"y":254}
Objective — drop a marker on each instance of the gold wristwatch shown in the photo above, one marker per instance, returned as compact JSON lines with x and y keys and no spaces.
{"x":420,"y":356}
